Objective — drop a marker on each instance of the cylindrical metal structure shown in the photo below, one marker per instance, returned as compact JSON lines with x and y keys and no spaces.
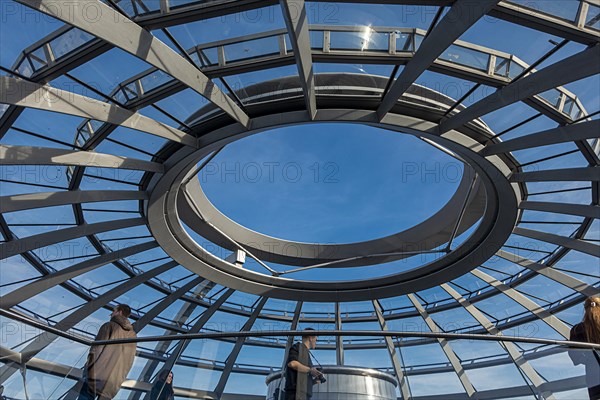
{"x":345,"y":383}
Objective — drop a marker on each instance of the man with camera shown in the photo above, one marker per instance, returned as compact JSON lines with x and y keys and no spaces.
{"x":300,"y":375}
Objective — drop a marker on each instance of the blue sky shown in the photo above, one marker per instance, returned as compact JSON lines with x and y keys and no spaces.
{"x":331,"y":183}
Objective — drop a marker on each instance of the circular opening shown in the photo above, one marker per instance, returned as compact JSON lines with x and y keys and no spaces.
{"x":330,"y":182}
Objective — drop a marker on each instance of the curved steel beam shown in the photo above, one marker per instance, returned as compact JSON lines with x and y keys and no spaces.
{"x":296,"y":20}
{"x":220,"y":388}
{"x":29,"y":155}
{"x":522,"y":364}
{"x":570,"y":69}
{"x":446,"y":348}
{"x":561,"y":134}
{"x":543,"y":314}
{"x":580,"y":210}
{"x":549,"y":272}
{"x":48,"y":281}
{"x":574,"y":244}
{"x":43,"y":97}
{"x":29,"y":201}
{"x":44,"y":340}
{"x":110,"y":25}
{"x":553,"y":175}
{"x":14,"y":247}
{"x":462,"y":15}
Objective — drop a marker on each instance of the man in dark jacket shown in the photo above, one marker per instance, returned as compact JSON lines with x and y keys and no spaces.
{"x":300,"y":375}
{"x":108,"y":366}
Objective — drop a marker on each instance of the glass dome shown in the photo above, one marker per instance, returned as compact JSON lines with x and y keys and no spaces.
{"x":416,"y":181}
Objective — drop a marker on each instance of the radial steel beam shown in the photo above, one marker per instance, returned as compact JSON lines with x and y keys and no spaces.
{"x":512,"y":350}
{"x":164,"y":303}
{"x":29,"y":155}
{"x":161,"y":348}
{"x":571,"y":243}
{"x":43,"y":97}
{"x":220,"y":388}
{"x":14,"y":247}
{"x":543,"y":314}
{"x":570,"y":69}
{"x":43,"y":340}
{"x":561,"y":134}
{"x":398,"y":369}
{"x":553,"y":175}
{"x":549,"y":272}
{"x":339,"y":341}
{"x":446,"y":348}
{"x":296,"y":20}
{"x":29,"y":201}
{"x":115,"y":28}
{"x":462,"y":15}
{"x":198,"y":325}
{"x":293,"y":326}
{"x":48,"y":281}
{"x":580,"y":210}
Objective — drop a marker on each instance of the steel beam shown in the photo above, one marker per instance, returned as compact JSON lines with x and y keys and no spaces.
{"x":561,"y":134}
{"x":523,"y":365}
{"x":14,"y":247}
{"x":339,"y":341}
{"x":120,"y":31}
{"x":462,"y":15}
{"x":583,"y":174}
{"x":30,"y":201}
{"x":43,"y":340}
{"x":164,"y":303}
{"x":220,"y":388}
{"x":549,"y":272}
{"x":398,"y":369}
{"x":571,"y":243}
{"x":43,"y":97}
{"x":29,"y":155}
{"x":296,"y":20}
{"x":48,"y":281}
{"x":198,"y":325}
{"x":580,"y":210}
{"x":446,"y":348}
{"x":180,"y":319}
{"x":570,"y":69}
{"x":543,"y":314}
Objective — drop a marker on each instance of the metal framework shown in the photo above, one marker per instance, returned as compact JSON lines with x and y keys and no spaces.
{"x":501,"y":196}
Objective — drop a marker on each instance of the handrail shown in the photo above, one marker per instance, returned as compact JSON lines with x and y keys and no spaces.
{"x":237,"y":334}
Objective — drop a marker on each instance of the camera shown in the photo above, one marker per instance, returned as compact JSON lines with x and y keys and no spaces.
{"x":321,"y":376}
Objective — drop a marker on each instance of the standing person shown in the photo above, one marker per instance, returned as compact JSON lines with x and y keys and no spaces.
{"x":162,"y":389}
{"x":108,"y":365}
{"x":588,"y":331}
{"x":300,"y":375}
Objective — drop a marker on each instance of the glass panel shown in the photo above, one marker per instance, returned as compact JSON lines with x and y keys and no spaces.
{"x":515,"y":70}
{"x":565,"y":9}
{"x":38,"y":58}
{"x":467,"y":57}
{"x":366,"y":40}
{"x":316,"y":40}
{"x":25,"y":68}
{"x":154,"y":80}
{"x":16,"y":272}
{"x":21,"y":27}
{"x":69,"y":41}
{"x":431,"y":384}
{"x":552,"y":96}
{"x":501,"y":67}
{"x":404,"y":42}
{"x":251,"y":49}
{"x":209,"y":56}
{"x":592,"y":19}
